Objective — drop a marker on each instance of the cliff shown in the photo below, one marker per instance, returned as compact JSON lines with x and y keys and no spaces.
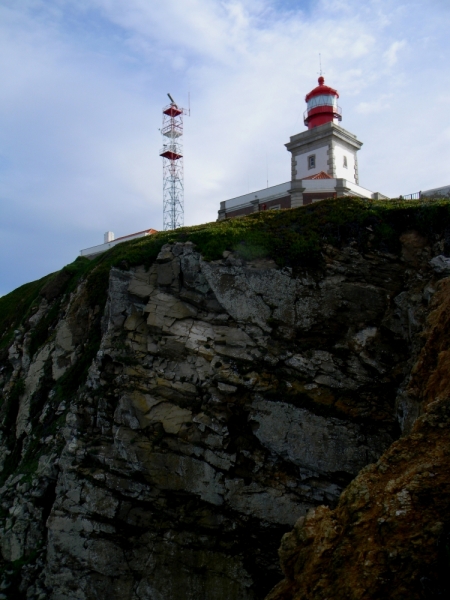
{"x":173,"y":408}
{"x":389,"y":535}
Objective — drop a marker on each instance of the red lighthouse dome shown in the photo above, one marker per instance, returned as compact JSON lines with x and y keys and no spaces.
{"x":322,"y":106}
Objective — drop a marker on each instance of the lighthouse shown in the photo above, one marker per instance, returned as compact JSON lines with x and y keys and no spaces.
{"x":324,"y":162}
{"x":324,"y":151}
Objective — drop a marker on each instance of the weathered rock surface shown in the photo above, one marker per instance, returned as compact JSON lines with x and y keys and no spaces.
{"x":226,"y":400}
{"x":440,"y":264}
{"x":389,"y":534}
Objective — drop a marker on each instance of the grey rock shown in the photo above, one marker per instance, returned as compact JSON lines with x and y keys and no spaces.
{"x":35,"y":373}
{"x":143,"y":282}
{"x":440,"y":264}
{"x":268,"y":504}
{"x":324,"y":445}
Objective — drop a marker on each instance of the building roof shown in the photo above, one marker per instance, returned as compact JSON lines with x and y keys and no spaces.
{"x":321,"y":89}
{"x":321,"y":175}
{"x":130,"y":235}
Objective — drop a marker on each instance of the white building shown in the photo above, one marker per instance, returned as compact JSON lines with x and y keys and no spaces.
{"x":109,"y":242}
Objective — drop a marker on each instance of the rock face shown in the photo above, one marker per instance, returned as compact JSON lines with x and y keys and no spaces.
{"x":389,"y":535}
{"x":225,"y":401}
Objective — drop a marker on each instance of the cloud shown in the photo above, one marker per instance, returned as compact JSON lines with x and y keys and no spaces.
{"x":84,"y":82}
{"x":375,"y":105}
{"x":391,"y":54}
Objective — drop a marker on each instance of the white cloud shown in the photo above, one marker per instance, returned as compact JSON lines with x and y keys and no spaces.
{"x":391,"y":54}
{"x":84,"y":82}
{"x":374,"y":106}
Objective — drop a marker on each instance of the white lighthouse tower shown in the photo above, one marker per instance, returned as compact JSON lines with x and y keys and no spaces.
{"x":325,"y":151}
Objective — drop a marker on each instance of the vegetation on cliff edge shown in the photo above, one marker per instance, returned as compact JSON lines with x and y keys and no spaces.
{"x":293,"y":238}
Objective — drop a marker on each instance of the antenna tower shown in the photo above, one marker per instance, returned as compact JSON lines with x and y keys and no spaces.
{"x":173,"y":171}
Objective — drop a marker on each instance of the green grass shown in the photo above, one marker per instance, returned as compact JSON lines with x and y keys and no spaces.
{"x":40,"y":332}
{"x":296,"y":237}
{"x":16,"y":307}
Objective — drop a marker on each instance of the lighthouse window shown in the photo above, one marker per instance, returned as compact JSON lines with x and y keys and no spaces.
{"x":322,"y":100}
{"x":312,"y":161}
{"x":345,"y":161}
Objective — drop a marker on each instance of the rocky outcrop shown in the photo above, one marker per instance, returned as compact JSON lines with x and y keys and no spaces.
{"x":389,"y":535}
{"x":226,"y":399}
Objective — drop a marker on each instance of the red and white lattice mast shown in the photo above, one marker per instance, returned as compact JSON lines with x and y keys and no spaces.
{"x":173,"y":172}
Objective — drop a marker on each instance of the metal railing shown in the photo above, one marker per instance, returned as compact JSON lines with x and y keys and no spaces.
{"x":336,"y":110}
{"x":415,"y":196}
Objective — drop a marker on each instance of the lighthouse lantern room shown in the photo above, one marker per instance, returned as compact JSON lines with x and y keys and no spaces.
{"x":322,"y":106}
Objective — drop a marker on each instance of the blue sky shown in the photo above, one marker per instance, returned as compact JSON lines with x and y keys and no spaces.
{"x":84,"y":81}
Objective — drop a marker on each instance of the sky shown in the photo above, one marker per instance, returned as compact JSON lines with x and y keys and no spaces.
{"x":83,"y":84}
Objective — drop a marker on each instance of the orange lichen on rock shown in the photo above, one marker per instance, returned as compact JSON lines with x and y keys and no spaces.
{"x":430,"y":377}
{"x":382,"y":538}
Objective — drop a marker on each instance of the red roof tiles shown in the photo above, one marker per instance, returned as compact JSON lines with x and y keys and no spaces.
{"x":321,"y":175}
{"x":148,"y":231}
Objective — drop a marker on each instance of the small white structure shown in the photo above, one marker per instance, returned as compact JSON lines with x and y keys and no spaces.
{"x":110,"y":242}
